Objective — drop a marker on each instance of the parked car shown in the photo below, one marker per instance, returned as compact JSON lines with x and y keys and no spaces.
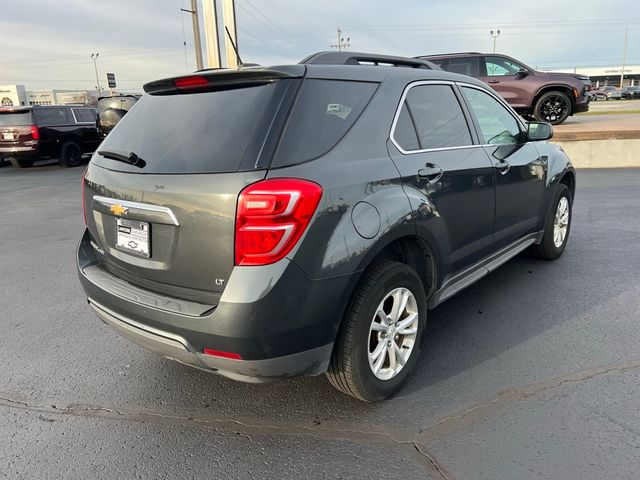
{"x":545,"y":96}
{"x":270,"y":222}
{"x":112,"y":109}
{"x":607,"y":93}
{"x":64,"y":132}
{"x":630,"y":93}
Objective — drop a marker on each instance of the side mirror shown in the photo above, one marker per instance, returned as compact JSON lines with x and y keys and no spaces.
{"x":522,"y":73}
{"x":538,"y":131}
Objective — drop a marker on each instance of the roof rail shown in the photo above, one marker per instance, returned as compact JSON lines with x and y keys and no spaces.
{"x":449,"y":54}
{"x":358,"y":58}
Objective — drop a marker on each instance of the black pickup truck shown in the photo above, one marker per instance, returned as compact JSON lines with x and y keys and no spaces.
{"x":65,"y":132}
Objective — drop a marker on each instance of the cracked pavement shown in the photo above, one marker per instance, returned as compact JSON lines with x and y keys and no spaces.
{"x":533,"y":372}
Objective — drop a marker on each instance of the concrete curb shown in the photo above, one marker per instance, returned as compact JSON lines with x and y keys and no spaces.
{"x":603,"y":153}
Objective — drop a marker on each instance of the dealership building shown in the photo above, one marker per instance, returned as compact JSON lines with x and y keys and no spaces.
{"x":603,"y":76}
{"x":17,"y":95}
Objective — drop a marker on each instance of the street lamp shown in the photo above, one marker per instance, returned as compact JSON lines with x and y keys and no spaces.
{"x":94,"y":56}
{"x":495,"y":34}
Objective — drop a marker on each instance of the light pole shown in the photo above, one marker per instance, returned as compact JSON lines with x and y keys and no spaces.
{"x":495,"y":34}
{"x":94,"y":56}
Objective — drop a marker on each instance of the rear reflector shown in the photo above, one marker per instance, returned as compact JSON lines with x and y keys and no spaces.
{"x":186,"y":83}
{"x":272,"y":215}
{"x":218,"y":353}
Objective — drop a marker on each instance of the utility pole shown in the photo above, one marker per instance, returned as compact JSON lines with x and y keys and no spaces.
{"x":196,"y":32}
{"x":231,"y":37}
{"x":94,"y":56}
{"x":342,"y":44}
{"x":495,"y":34}
{"x":211,"y":33}
{"x":624,"y":57}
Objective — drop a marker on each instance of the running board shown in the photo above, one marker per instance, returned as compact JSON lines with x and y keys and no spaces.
{"x":485,"y":266}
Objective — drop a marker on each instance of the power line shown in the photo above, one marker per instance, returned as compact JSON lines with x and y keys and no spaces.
{"x":286,"y":33}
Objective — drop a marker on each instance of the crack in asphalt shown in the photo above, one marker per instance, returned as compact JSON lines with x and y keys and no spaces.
{"x":385,"y":436}
{"x":514,"y":394}
{"x":381,"y":434}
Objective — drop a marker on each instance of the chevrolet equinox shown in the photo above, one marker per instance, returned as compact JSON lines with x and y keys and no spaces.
{"x":263,"y":223}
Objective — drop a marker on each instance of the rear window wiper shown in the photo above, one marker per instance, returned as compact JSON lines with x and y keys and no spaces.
{"x":131,"y":158}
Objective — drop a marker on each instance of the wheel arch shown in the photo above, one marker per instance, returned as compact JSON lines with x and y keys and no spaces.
{"x":562,"y":87}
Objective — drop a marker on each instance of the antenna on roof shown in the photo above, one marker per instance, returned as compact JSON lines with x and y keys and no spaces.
{"x":235,"y":49}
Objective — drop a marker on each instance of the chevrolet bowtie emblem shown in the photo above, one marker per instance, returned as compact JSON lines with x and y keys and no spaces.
{"x":118,"y":209}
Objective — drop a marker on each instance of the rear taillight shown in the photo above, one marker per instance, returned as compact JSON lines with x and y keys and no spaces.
{"x":35,"y":134}
{"x":271,"y":217}
{"x":84,"y":210}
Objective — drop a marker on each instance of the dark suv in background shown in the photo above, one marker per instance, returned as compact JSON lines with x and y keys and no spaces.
{"x":302,"y":219}
{"x":546,"y":96}
{"x":64,"y":132}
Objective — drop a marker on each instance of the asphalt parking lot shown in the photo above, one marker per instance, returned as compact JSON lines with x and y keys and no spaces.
{"x":534,"y":372}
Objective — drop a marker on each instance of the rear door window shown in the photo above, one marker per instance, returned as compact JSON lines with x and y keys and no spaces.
{"x":465,"y":66}
{"x":205,"y":132}
{"x":438,"y":118}
{"x":46,"y":117}
{"x":85,"y":115}
{"x":324,"y":112}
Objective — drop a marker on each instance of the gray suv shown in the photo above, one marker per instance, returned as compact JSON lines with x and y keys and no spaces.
{"x":263,"y":223}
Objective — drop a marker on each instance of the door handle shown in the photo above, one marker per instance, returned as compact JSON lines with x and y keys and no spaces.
{"x":503,"y":167}
{"x":493,"y":81}
{"x":431,"y":173}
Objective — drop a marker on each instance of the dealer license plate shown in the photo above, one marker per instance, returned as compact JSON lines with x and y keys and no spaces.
{"x":133,"y":236}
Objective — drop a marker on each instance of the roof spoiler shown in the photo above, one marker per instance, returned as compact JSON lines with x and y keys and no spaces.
{"x":218,"y":79}
{"x":359,"y":58}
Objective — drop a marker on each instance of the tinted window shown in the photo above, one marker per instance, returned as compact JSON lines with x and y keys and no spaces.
{"x":52,"y":116}
{"x":405,"y":133}
{"x":189,"y":133}
{"x":500,"y":67}
{"x":437,"y":116}
{"x":15,"y":118}
{"x":85,"y":115}
{"x":324,"y":111}
{"x":497,"y":125}
{"x":464,"y":66}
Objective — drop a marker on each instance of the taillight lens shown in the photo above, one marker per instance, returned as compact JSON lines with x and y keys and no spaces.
{"x":35,"y":133}
{"x":188,"y":83}
{"x":271,"y":217}
{"x":84,"y":210}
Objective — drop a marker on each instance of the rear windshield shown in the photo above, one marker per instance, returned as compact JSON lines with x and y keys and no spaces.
{"x":15,"y":118}
{"x":324,"y":112}
{"x":188,"y":133}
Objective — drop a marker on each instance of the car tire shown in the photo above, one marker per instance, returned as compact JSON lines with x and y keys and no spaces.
{"x":21,"y":162}
{"x":551,"y":246}
{"x":70,"y":155}
{"x":351,"y":369}
{"x":552,"y":107}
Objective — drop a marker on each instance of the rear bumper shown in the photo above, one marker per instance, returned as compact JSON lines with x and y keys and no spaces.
{"x":19,"y":151}
{"x":281,"y":322}
{"x":174,"y":347}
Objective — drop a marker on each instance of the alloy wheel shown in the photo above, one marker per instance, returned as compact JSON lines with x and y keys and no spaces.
{"x":561,"y":222}
{"x":393,"y":332}
{"x":554,"y":109}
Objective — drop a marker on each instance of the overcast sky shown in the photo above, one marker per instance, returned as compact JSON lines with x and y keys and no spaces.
{"x":47,"y":44}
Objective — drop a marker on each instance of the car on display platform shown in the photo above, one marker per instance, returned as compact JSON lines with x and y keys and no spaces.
{"x":545,"y":96}
{"x":64,"y":132}
{"x":265,"y":223}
